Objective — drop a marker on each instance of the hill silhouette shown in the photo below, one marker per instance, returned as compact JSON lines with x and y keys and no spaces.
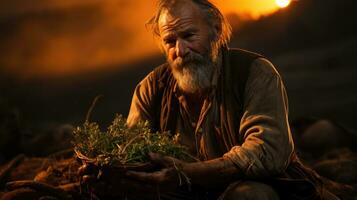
{"x":302,"y":25}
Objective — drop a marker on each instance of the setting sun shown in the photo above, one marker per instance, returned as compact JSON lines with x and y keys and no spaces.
{"x":251,"y":8}
{"x":282,"y":3}
{"x":99,"y":46}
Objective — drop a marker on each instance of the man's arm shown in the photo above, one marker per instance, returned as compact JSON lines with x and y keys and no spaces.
{"x":143,"y":102}
{"x":268,"y":144}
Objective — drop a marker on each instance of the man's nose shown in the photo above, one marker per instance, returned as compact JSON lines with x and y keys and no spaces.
{"x":181,"y":48}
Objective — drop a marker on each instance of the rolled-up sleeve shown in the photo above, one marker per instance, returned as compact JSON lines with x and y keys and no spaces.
{"x":268,"y":144}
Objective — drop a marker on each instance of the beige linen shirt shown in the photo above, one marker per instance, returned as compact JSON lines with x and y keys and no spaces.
{"x":263,"y":144}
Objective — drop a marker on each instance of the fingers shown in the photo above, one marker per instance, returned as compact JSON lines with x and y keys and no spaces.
{"x":87,"y":169}
{"x":157,"y":159}
{"x":152,"y":177}
{"x":111,"y":182}
{"x":82,"y":169}
{"x":135,"y":186}
{"x":163,"y":161}
{"x":88,"y":173}
{"x":89,"y":179}
{"x":143,"y":176}
{"x":165,"y":180}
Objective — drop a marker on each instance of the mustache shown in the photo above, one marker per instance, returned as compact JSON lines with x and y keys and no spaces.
{"x":191,"y":58}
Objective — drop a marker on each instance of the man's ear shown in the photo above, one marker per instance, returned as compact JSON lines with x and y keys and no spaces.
{"x":216,"y":30}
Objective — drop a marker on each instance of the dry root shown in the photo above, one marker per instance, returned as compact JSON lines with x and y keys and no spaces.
{"x":40,"y":187}
{"x":10,"y":166}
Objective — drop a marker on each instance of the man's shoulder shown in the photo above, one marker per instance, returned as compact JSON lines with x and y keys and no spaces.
{"x":247,"y":61}
{"x":158,"y":78}
{"x":158,"y":73}
{"x":243,"y":54}
{"x":264,"y":67}
{"x":161,"y":71}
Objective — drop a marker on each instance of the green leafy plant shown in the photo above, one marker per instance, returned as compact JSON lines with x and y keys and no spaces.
{"x":121,"y":145}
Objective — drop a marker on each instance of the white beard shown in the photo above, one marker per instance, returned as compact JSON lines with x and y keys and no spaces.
{"x":194,"y":72}
{"x":194,"y":78}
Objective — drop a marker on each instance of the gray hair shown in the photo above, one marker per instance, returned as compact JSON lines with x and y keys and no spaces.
{"x":213,"y":14}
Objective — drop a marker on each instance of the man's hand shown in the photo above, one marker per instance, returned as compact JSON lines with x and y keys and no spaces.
{"x":111,"y":182}
{"x":175,"y":173}
{"x":169,"y":176}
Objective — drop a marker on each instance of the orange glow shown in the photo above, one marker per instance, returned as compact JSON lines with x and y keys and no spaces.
{"x":88,"y":35}
{"x":253,"y":8}
{"x":282,"y":3}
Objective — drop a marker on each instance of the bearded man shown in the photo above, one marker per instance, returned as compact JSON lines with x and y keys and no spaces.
{"x":229,"y":107}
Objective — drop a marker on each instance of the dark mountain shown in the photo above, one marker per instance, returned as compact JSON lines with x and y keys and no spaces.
{"x":302,"y":25}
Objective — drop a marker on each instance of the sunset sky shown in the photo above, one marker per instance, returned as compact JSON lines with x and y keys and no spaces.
{"x":255,"y":8}
{"x":55,"y":37}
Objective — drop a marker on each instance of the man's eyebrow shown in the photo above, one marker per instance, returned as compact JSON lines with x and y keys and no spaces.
{"x":168,"y":35}
{"x":177,"y":24}
{"x":190,"y":29}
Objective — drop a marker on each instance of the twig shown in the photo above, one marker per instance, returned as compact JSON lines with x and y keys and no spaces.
{"x":89,"y":113}
{"x":129,"y":143}
{"x":10,"y":166}
{"x":58,"y":192}
{"x":182,"y":173}
{"x":83,"y":157}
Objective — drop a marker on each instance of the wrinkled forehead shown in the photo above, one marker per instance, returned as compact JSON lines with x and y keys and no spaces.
{"x":181,"y":14}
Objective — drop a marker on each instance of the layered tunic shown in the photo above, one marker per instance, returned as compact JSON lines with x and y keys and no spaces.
{"x":244,"y":117}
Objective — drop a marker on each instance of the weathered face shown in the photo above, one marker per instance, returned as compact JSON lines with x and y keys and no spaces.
{"x":186,"y":39}
{"x":184,"y":31}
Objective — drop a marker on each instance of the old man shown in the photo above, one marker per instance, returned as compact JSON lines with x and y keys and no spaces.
{"x":229,"y":107}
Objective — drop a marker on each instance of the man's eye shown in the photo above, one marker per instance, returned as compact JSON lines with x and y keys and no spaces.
{"x":170,"y":41}
{"x":188,"y":35}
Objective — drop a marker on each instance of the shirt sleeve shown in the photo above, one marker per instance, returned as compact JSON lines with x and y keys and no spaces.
{"x":143,"y":101}
{"x":268,"y":143}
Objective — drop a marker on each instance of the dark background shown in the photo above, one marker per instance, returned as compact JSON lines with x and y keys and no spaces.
{"x":313,"y":44}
